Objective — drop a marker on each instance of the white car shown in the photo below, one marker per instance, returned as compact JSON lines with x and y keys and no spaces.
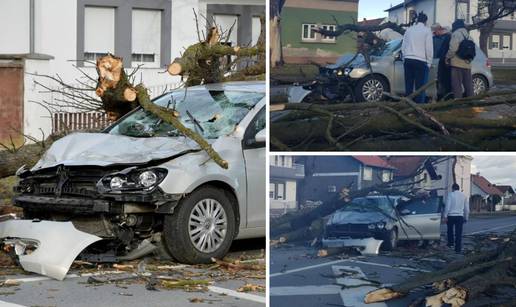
{"x":141,"y":182}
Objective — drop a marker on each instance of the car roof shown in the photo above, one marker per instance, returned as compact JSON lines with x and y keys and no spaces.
{"x":237,"y":86}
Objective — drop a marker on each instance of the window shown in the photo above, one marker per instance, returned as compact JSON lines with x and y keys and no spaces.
{"x":462,"y":10}
{"x":386,"y":176}
{"x":280,"y":160}
{"x":507,"y":42}
{"x":146,"y":37}
{"x":368,"y":173}
{"x":227,"y":24}
{"x":329,"y":28}
{"x":256,"y":29}
{"x":495,"y":42}
{"x":272,"y":191}
{"x":308,"y":32}
{"x":332,"y":189}
{"x":99,"y":32}
{"x":280,"y":191}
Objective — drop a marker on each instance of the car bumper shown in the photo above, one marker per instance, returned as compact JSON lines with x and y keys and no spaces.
{"x":57,"y":245}
{"x":368,"y":246}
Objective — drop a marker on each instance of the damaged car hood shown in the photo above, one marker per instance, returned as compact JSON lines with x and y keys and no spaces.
{"x":103,"y":149}
{"x":356,"y":217}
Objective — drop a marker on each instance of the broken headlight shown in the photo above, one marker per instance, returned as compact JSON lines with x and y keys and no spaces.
{"x":378,"y":225}
{"x":132,"y":179}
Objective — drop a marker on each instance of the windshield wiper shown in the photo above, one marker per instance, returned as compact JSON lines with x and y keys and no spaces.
{"x":195,"y":121}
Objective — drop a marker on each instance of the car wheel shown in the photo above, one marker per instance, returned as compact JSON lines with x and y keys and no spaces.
{"x":371,"y":88}
{"x":480,"y":85}
{"x":202,"y":227}
{"x":391,"y":240}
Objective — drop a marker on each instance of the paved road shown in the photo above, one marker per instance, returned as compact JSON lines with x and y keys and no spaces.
{"x":300,"y":279}
{"x":74,"y":291}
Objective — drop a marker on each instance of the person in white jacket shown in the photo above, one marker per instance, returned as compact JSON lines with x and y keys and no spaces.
{"x":418,"y":51}
{"x":456,"y":213}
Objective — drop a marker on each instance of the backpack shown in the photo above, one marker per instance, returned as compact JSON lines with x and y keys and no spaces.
{"x":467,"y":49}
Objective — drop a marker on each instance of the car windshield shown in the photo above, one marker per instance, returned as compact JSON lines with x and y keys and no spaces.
{"x":372,"y":204}
{"x":388,"y":49}
{"x":210,"y":113}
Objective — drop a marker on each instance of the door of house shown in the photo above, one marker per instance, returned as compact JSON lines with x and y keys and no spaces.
{"x":11,"y":102}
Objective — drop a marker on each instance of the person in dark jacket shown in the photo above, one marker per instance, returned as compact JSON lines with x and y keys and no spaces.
{"x":442,"y":39}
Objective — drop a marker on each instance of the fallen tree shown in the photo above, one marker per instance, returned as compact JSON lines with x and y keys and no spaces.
{"x":399,"y":124}
{"x":460,"y":281}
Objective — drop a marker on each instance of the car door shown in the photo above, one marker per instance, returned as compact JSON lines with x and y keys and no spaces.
{"x":398,"y":82}
{"x":254,"y":157}
{"x":420,"y":219}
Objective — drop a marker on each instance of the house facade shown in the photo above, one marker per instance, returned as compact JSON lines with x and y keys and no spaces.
{"x":509,"y":197}
{"x":501,"y":46}
{"x":326,"y":176}
{"x":284,"y":175}
{"x":150,"y":33}
{"x":436,"y":176}
{"x":299,"y":18}
{"x":485,"y":196}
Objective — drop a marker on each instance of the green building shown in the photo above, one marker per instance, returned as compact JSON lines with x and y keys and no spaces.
{"x":298,"y":19}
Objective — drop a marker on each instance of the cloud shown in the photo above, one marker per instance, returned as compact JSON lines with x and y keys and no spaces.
{"x":497,"y":169}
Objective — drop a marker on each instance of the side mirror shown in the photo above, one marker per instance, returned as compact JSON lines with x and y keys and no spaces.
{"x":260,"y":137}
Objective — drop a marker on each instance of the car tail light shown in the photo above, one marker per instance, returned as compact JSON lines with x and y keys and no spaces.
{"x":488,"y":63}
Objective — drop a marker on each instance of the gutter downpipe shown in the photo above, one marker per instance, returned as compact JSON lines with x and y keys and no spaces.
{"x":31,"y":26}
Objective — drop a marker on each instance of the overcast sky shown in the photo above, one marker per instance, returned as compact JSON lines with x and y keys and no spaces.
{"x":497,"y":169}
{"x":372,"y":9}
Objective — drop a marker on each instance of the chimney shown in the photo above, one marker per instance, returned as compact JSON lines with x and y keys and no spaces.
{"x":478,"y":173}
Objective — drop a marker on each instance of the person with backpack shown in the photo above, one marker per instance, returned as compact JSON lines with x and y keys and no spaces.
{"x":418,"y":51}
{"x":459,"y":57}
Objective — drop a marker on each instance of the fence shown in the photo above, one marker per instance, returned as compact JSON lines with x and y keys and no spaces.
{"x":71,"y":120}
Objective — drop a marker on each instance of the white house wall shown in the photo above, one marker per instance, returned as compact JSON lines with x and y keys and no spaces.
{"x":57,"y":37}
{"x":14,"y":18}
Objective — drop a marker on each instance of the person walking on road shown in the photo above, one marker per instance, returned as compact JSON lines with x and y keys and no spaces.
{"x":456,"y":213}
{"x":418,"y":52}
{"x":459,"y":57}
{"x":442,"y":39}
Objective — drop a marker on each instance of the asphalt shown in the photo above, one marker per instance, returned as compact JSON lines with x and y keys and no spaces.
{"x":299,"y":278}
{"x":35,"y":290}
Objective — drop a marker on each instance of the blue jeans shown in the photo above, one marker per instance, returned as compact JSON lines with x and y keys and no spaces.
{"x":416,"y":75}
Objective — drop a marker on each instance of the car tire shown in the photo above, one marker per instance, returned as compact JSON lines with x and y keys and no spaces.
{"x":193,"y":219}
{"x":371,"y":88}
{"x":480,"y":85}
{"x":390,"y":240}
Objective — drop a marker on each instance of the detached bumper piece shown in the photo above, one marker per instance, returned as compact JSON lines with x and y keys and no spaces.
{"x":53,"y":245}
{"x":369,"y":246}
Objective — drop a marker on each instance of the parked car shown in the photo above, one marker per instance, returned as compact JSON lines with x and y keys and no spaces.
{"x":387,"y":218}
{"x":141,"y":179}
{"x":351,"y":76}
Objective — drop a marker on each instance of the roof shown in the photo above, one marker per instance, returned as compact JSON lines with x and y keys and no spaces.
{"x":397,"y":6}
{"x":371,"y":22}
{"x":407,"y":165}
{"x":505,"y":188}
{"x":374,"y":161}
{"x":484,"y":184}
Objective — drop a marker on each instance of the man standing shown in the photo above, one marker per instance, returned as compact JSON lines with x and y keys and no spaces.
{"x":442,"y":39}
{"x":460,"y":68}
{"x":456,"y":213}
{"x":418,"y":51}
